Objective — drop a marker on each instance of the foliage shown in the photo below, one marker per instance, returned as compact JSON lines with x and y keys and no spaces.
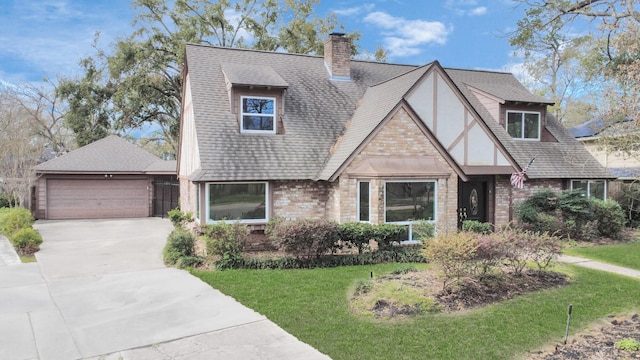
{"x":610,"y":217}
{"x":7,"y":200}
{"x":180,"y":243}
{"x":178,"y":218}
{"x":628,"y":344}
{"x":356,"y":234}
{"x":14,"y":219}
{"x":304,"y":238}
{"x":423,"y":230}
{"x":226,"y":240}
{"x":602,"y":68}
{"x":629,"y":200}
{"x":185,"y":262}
{"x":388,"y":235}
{"x":398,"y":255}
{"x":140,"y":83}
{"x":476,"y":226}
{"x":27,"y":241}
{"x":570,"y":214}
{"x":454,"y":253}
{"x":362,"y":286}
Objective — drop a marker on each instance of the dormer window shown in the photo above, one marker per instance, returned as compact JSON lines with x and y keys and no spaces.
{"x":524,"y":125}
{"x":258,"y":114}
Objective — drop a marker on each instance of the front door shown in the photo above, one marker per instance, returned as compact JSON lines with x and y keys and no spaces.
{"x":472,"y":201}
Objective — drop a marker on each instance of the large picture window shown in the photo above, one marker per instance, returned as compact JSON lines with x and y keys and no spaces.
{"x":406,"y":201}
{"x":523,"y":125}
{"x":246,"y":202}
{"x":593,"y":189}
{"x":363,"y":201}
{"x":258,"y":114}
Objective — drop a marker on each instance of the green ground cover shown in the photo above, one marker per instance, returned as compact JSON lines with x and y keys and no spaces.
{"x":313,"y":306}
{"x":627,"y":255}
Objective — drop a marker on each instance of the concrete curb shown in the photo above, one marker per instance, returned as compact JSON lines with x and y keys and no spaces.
{"x":8,"y":255}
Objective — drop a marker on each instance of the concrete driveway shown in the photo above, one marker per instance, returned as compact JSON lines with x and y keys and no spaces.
{"x":100,"y":287}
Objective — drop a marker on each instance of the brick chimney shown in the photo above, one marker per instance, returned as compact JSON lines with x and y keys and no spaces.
{"x":337,"y":56}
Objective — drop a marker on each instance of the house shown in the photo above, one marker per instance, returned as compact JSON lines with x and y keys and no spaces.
{"x":619,"y":164}
{"x":266,"y":134}
{"x":109,"y":178}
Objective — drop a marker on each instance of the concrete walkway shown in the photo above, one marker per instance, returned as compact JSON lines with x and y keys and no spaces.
{"x":8,"y":256}
{"x":100,"y":291}
{"x":592,"y":264}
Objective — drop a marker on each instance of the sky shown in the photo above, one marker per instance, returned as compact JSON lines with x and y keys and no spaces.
{"x":47,"y":38}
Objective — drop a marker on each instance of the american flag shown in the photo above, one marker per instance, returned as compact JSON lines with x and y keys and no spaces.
{"x":517,"y":178}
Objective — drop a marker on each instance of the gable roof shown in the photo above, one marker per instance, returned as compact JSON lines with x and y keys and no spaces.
{"x":566,"y":158}
{"x":315,"y":112}
{"x":325,"y":120}
{"x":110,"y":154}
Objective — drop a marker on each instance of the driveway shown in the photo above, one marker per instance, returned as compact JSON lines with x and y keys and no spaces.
{"x":100,"y":287}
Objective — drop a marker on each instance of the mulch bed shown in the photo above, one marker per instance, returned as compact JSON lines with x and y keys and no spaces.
{"x":493,"y":288}
{"x":599,"y":342}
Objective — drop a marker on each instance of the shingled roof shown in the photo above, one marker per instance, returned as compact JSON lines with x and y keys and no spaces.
{"x":111,"y":154}
{"x":321,"y":115}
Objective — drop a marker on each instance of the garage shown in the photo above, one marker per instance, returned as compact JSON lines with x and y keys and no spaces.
{"x":110,"y":178}
{"x":96,"y":199}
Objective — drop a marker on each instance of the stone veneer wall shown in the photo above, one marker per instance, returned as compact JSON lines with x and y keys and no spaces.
{"x":507,"y":197}
{"x":400,"y":136}
{"x":298,"y":199}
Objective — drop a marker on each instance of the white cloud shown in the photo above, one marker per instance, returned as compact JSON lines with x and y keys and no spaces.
{"x":354,"y":10}
{"x":404,"y":37}
{"x":480,"y":10}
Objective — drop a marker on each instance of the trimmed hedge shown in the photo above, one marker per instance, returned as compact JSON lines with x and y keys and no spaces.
{"x":401,"y":255}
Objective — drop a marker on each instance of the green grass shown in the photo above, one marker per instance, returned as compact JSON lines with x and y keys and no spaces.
{"x":28,"y":259}
{"x":623,"y":255}
{"x":313,"y":306}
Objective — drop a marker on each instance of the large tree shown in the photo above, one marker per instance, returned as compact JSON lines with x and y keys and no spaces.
{"x":140,"y":77}
{"x":584,"y":50}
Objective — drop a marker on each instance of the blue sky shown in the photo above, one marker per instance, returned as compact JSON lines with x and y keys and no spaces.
{"x":47,"y":38}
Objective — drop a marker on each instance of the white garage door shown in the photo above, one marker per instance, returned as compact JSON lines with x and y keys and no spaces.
{"x":97,"y":199}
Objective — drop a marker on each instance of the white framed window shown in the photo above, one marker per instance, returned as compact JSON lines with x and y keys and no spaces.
{"x":523,"y":125}
{"x":406,"y":201}
{"x":258,"y":114}
{"x":593,"y":189}
{"x":364,"y":201}
{"x":238,"y":201}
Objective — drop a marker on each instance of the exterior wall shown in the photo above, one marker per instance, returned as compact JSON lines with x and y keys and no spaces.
{"x":188,"y":197}
{"x":189,"y":153}
{"x":610,"y":159}
{"x":507,"y":197}
{"x":300,"y":199}
{"x":400,"y":136}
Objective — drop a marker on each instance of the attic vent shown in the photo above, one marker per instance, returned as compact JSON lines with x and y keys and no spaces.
{"x":337,"y":56}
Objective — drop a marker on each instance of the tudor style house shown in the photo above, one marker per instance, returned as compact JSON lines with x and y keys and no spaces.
{"x":267,"y":134}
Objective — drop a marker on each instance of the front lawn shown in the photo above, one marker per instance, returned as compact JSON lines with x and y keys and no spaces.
{"x":313,"y":306}
{"x":626,"y":255}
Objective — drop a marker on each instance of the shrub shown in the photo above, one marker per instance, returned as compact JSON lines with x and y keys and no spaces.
{"x":543,"y":201}
{"x":611,"y":218}
{"x":628,"y":344}
{"x":304,"y":238}
{"x":574,"y":205}
{"x":7,"y":201}
{"x":356,"y":234}
{"x":189,"y":262}
{"x":180,"y":243}
{"x":180,"y":219}
{"x":476,"y":227}
{"x":27,"y":241}
{"x":226,"y":240}
{"x":386,"y":235}
{"x":523,"y":246}
{"x":629,"y":200}
{"x":423,"y":230}
{"x":15,"y":219}
{"x":454,"y":253}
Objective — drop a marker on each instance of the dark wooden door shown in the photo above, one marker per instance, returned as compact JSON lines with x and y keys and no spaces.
{"x":472,"y":201}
